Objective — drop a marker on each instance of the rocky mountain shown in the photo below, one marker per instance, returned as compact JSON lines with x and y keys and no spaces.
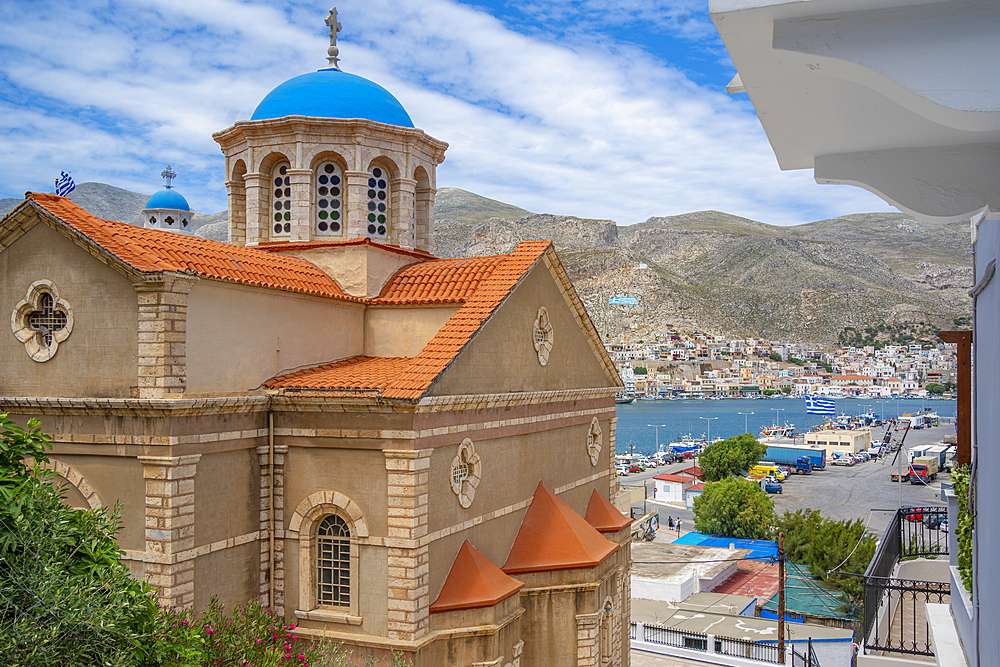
{"x":718,"y":273}
{"x":706,"y":271}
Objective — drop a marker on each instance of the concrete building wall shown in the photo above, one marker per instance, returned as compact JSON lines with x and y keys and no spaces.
{"x":403,"y":331}
{"x":240,"y":336}
{"x":99,"y":358}
{"x":986,"y":425}
{"x":227,"y":502}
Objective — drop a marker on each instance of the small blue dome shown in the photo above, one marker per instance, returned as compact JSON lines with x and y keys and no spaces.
{"x":330,"y":93}
{"x":170,"y":199}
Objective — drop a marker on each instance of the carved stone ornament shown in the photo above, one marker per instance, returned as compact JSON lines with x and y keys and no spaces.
{"x":542,"y":335}
{"x":595,"y":438}
{"x":466,"y":470}
{"x":41,"y":320}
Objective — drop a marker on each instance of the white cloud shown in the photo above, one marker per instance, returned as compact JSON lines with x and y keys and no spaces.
{"x":560,"y":127}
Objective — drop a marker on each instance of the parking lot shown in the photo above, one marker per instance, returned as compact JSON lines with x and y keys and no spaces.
{"x":862,"y":491}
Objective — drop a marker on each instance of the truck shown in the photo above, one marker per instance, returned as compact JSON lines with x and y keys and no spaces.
{"x":767,"y":469}
{"x":923,"y":469}
{"x":917,"y":451}
{"x":941,"y":452}
{"x":788,"y":455}
{"x":802,"y":465}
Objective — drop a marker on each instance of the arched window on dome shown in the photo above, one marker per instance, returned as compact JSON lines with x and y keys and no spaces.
{"x":329,"y":188}
{"x":281,"y":200}
{"x":378,"y":203}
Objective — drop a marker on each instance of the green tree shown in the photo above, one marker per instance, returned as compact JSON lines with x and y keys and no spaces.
{"x":640,"y":370}
{"x":774,"y":356}
{"x":729,"y":457}
{"x":769,"y":392}
{"x":825,"y":544}
{"x":65,"y":597}
{"x":734,"y":507}
{"x":786,"y":390}
{"x":934,"y":388}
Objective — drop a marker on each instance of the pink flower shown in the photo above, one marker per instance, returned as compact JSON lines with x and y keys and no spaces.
{"x":210,"y":631}
{"x":184,"y":622}
{"x":288,"y":655}
{"x":258,"y":641}
{"x":302,"y":656}
{"x":291,"y":627}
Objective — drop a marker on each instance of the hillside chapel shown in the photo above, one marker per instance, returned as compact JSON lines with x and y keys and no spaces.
{"x":393,"y":450}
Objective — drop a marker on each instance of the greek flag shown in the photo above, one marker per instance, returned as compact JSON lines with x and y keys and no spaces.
{"x":820,"y":406}
{"x":64,"y":184}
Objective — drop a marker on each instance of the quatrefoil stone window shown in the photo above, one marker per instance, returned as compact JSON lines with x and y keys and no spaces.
{"x":41,"y":320}
{"x":466,"y":469}
{"x":542,"y":335}
{"x":594,"y":441}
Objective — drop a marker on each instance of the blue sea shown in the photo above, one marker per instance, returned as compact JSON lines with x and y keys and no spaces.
{"x":723,"y":418}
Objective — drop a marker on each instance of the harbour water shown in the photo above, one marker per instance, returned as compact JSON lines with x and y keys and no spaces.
{"x":724,"y":419}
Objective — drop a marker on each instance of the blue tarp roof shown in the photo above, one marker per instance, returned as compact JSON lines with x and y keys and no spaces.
{"x":760,"y":549}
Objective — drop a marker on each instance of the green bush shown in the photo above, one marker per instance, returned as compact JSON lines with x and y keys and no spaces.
{"x":734,"y":507}
{"x":823,"y":544}
{"x":65,"y":597}
{"x":960,"y":480}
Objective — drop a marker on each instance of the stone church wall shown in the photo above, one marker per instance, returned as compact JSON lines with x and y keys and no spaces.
{"x":239,"y":336}
{"x":99,"y":358}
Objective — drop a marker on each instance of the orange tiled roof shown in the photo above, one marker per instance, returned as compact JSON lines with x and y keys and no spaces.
{"x":438,"y":281}
{"x":154,"y":250}
{"x":554,"y":537}
{"x":353,"y":373}
{"x":474,"y":582}
{"x":456,"y":333}
{"x":604,"y":516}
{"x":280,"y":246}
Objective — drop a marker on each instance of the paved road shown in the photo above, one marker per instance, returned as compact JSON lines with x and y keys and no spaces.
{"x":857,"y":492}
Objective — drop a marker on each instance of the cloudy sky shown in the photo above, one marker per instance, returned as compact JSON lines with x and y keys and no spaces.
{"x":594,"y":108}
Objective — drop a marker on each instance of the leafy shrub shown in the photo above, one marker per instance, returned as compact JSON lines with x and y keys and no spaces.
{"x":961,"y":481}
{"x":734,"y":507}
{"x":65,"y":597}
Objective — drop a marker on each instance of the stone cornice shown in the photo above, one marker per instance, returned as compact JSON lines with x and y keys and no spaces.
{"x":134,"y":407}
{"x":268,"y":129}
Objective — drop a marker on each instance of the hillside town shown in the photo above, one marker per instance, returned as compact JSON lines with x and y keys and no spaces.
{"x":699,"y":366}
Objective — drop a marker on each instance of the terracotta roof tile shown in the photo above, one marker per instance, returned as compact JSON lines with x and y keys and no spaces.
{"x":554,"y":537}
{"x":154,"y":250}
{"x":604,"y":516}
{"x":351,"y":374}
{"x":457,"y":332}
{"x":438,"y":281}
{"x":474,"y":582}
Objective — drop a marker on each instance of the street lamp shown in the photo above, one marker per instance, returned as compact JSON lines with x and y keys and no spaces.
{"x":657,"y":427}
{"x":745,"y":427}
{"x":709,"y":440}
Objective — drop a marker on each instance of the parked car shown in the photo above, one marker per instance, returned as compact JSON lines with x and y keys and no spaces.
{"x":635,"y":468}
{"x":844,"y":461}
{"x":937,"y":520}
{"x":621,"y":470}
{"x":862,"y":455}
{"x":772,"y":487}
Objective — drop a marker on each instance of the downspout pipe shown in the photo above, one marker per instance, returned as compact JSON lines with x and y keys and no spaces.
{"x":270,"y":507}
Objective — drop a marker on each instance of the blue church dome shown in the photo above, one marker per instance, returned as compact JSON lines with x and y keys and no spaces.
{"x":170,"y":199}
{"x":331,"y":93}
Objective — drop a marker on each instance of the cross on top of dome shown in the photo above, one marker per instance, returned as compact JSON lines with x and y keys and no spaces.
{"x":168,"y":175}
{"x":333,"y":51}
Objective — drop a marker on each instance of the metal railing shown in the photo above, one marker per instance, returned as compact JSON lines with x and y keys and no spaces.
{"x":696,"y":641}
{"x":807,"y":659}
{"x":912,"y":532}
{"x":743,"y":648}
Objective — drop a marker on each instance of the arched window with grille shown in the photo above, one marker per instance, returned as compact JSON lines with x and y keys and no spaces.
{"x":329,"y":187}
{"x":333,"y":562}
{"x":281,"y":200}
{"x":378,"y":203}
